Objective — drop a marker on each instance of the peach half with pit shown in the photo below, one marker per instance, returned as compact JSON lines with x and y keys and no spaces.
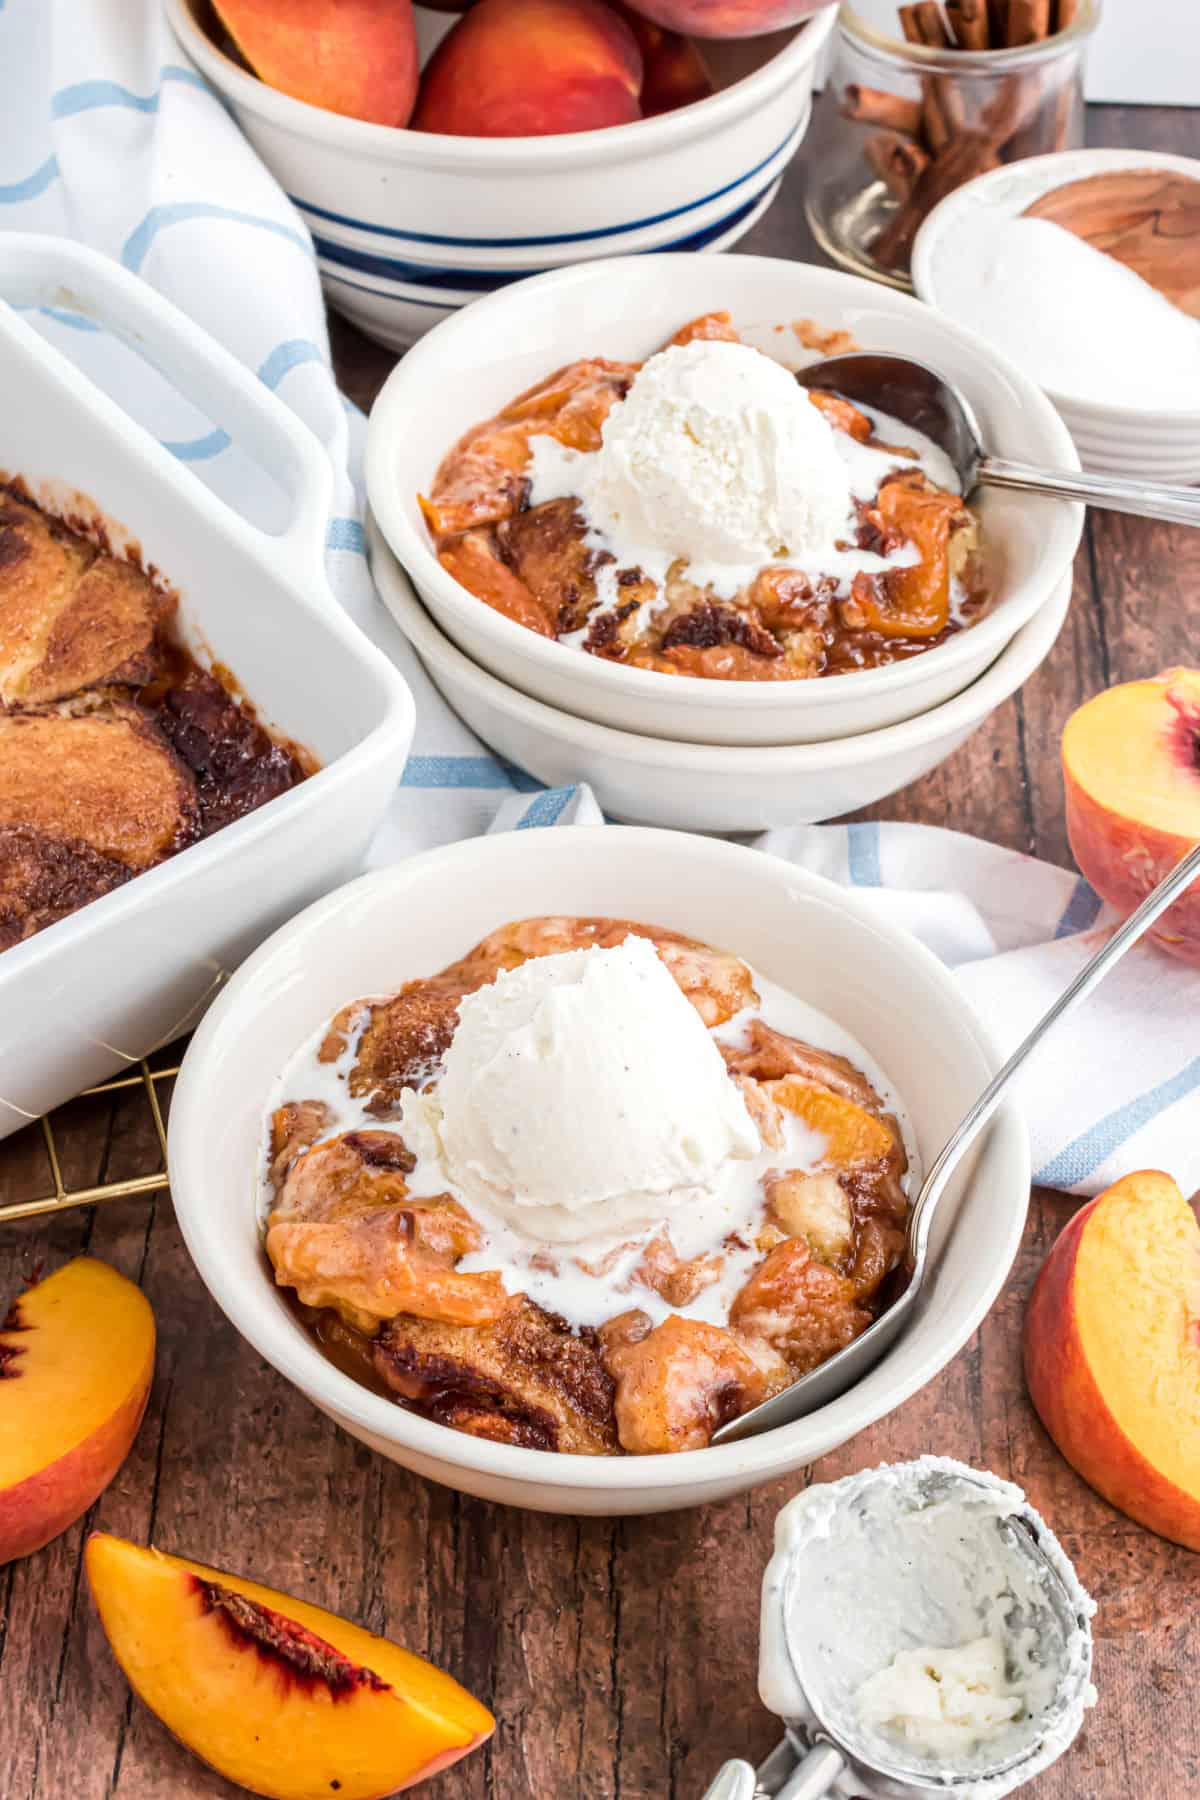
{"x":76,"y":1361}
{"x":280,"y":1696}
{"x":355,"y":57}
{"x":1131,"y":769}
{"x":1112,"y":1351}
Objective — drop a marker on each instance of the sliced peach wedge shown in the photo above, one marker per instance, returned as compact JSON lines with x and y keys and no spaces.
{"x":853,"y":1136}
{"x":1112,"y":1351}
{"x":76,"y":1361}
{"x":282,"y":1697}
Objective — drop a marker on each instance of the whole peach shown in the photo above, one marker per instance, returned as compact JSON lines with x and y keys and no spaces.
{"x":355,"y":57}
{"x":728,"y":18}
{"x":531,"y":68}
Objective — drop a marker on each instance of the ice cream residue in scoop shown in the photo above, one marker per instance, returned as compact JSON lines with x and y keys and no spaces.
{"x":582,"y":1093}
{"x":943,"y":1702}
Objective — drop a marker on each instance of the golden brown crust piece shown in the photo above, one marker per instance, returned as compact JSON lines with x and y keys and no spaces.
{"x":801,"y":1309}
{"x":42,"y":879}
{"x":527,"y":1379}
{"x":70,"y":618}
{"x":544,"y":548}
{"x":102,"y":776}
{"x":346,"y":1234}
{"x":677,"y":1384}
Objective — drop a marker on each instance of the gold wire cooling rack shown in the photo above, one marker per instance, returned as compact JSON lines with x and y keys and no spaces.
{"x":61,"y":1197}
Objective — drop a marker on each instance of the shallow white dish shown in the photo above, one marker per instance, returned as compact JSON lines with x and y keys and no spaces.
{"x":705,"y":787}
{"x":1148,"y":442}
{"x":411,"y":225}
{"x":829,"y":946}
{"x":475,"y":362}
{"x":101,"y":988}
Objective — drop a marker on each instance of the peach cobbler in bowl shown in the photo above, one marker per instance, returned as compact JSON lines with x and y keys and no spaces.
{"x":702,"y":514}
{"x":594,"y":1188}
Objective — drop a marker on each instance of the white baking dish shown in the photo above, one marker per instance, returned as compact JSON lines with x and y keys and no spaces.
{"x":129,"y":972}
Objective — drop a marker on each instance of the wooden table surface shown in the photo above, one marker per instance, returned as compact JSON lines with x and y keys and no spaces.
{"x":619,"y":1658}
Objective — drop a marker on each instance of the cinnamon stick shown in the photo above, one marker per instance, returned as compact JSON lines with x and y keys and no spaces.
{"x":871,"y":106}
{"x":969,"y":22}
{"x":1065,"y":14}
{"x":970,"y":154}
{"x":898,"y":162}
{"x":923,"y":23}
{"x":997,"y":11}
{"x":1028,"y":22}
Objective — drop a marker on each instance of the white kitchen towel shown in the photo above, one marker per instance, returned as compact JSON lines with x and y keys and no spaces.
{"x":107,"y":135}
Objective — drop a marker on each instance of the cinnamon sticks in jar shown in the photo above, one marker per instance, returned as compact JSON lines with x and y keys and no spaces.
{"x":961,"y":124}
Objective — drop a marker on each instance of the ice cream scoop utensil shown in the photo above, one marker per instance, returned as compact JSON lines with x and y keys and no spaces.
{"x":928,"y":1548}
{"x":841,"y":1371}
{"x":920,"y":397}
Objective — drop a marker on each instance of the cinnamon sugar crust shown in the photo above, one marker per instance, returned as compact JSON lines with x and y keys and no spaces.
{"x":116,"y":748}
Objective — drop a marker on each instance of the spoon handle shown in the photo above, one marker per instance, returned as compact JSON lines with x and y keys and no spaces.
{"x":1092,"y":973}
{"x":1114,"y":493}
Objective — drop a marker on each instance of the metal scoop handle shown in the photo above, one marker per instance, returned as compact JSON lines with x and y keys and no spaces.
{"x":1115,"y":493}
{"x":832,"y":1377}
{"x":809,"y":1779}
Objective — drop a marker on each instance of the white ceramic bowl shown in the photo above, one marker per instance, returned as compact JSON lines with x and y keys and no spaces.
{"x":826,"y":944}
{"x":1149,"y":442}
{"x":473,"y":363}
{"x":106,"y":985}
{"x":705,"y":787}
{"x":411,"y":225}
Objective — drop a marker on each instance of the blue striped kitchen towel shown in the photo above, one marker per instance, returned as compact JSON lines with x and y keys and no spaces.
{"x":106,"y":134}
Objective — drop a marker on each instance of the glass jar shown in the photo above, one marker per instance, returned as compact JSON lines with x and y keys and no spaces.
{"x":898,"y":126}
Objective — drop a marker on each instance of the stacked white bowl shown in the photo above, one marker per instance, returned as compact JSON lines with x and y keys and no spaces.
{"x":679,"y":750}
{"x":411,"y":225}
{"x":1149,"y":442}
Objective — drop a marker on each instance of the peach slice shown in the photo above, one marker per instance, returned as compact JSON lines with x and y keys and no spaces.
{"x":76,"y":1360}
{"x":1112,"y":1351}
{"x":280,"y":1696}
{"x":1131,"y":767}
{"x":355,"y":57}
{"x":531,"y":68}
{"x":854,"y":1137}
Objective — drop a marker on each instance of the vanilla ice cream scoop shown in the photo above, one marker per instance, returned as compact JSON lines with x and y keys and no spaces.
{"x":582,"y":1096}
{"x":717,"y":455}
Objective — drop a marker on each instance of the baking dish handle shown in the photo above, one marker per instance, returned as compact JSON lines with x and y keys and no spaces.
{"x":47,"y":271}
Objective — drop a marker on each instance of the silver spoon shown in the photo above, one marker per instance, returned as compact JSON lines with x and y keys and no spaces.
{"x":839,"y":1372}
{"x":920,"y":397}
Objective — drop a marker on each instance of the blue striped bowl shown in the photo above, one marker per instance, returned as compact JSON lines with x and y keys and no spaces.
{"x":409,"y":225}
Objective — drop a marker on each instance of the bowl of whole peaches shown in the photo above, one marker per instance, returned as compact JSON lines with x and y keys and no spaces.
{"x":436,"y":155}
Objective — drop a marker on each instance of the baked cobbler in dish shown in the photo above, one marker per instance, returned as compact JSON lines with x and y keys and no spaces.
{"x":594,"y":1188}
{"x":116,"y":747}
{"x":703,"y":514}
